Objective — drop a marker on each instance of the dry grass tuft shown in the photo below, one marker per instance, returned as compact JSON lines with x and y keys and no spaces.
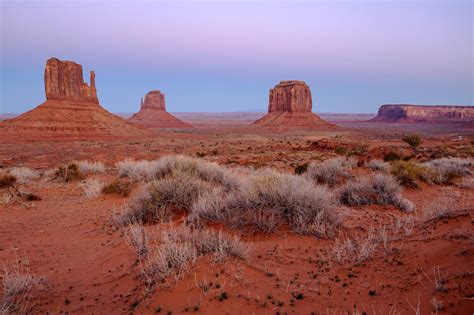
{"x":446,"y":170}
{"x":91,"y":167}
{"x":7,"y":180}
{"x":119,"y":187}
{"x":24,"y":174}
{"x":91,"y":187}
{"x":266,"y":201}
{"x":180,"y":247}
{"x":17,"y":283}
{"x":379,"y":165}
{"x":68,"y":173}
{"x":377,"y":189}
{"x":330,"y":172}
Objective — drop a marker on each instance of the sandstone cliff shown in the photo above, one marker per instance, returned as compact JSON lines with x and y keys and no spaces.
{"x":71,"y":109}
{"x":290,"y":106}
{"x":424,"y":113}
{"x":153,"y":113}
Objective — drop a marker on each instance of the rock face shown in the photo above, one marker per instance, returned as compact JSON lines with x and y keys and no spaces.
{"x":424,"y":113}
{"x":71,"y":109}
{"x":153,"y":113}
{"x":290,"y":96}
{"x":63,"y":81}
{"x":290,"y":106}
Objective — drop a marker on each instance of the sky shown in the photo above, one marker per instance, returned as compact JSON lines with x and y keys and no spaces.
{"x":222,"y":56}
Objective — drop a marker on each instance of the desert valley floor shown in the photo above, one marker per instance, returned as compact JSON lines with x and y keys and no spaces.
{"x":377,"y":259}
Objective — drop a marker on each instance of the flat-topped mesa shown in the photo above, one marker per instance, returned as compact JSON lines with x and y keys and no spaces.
{"x":64,"y":81}
{"x":154,"y":99}
{"x":424,"y":113}
{"x":290,"y":96}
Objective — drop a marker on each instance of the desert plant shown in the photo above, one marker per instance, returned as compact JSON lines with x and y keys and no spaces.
{"x":408,"y":173}
{"x":377,"y":189}
{"x":91,"y":187}
{"x":391,"y":156}
{"x":353,"y":250}
{"x":179,"y":248}
{"x":378,"y":165}
{"x":137,"y":239}
{"x":445,"y":170}
{"x":413,"y":140}
{"x":7,"y":180}
{"x":68,"y":173}
{"x":162,"y":198}
{"x":331,"y":172}
{"x":17,"y":283}
{"x":86,"y":167}
{"x":23,"y":174}
{"x":119,"y":187}
{"x":340,"y":150}
{"x":272,"y":197}
{"x":301,"y":168}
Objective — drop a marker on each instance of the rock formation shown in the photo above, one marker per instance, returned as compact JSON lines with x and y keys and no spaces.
{"x":290,"y":106}
{"x":424,"y":113}
{"x":153,"y":113}
{"x":71,"y":108}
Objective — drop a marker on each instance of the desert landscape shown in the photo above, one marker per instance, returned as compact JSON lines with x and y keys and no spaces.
{"x":293,"y":210}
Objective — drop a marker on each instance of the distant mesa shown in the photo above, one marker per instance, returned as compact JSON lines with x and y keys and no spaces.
{"x":290,"y":106}
{"x":153,"y":113}
{"x":71,"y":108}
{"x":424,"y":113}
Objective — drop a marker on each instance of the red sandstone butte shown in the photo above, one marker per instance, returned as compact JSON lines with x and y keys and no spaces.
{"x":153,"y":113}
{"x":424,"y":113}
{"x":71,"y":108}
{"x":290,"y":106}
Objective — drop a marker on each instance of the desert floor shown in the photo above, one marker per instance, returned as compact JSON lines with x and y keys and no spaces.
{"x":84,"y":265}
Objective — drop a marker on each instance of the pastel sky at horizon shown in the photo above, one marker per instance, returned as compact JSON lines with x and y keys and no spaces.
{"x":219,"y":56}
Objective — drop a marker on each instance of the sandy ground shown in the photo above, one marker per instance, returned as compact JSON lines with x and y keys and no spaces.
{"x":68,"y":240}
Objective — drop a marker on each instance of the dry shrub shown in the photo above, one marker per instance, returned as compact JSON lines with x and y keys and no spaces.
{"x":408,"y":173}
{"x":119,"y":187}
{"x":137,"y":239}
{"x":376,"y":189}
{"x":353,"y":250}
{"x":379,"y":165}
{"x":23,"y":174}
{"x":446,"y":170}
{"x":179,"y":247}
{"x":7,"y":180}
{"x":413,"y":140}
{"x":170,"y":165}
{"x":17,"y":283}
{"x":68,"y":173}
{"x":87,"y":167}
{"x":330,"y":172}
{"x":91,"y":187}
{"x":267,"y":200}
{"x":162,"y":198}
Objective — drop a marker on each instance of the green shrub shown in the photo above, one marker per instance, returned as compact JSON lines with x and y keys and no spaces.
{"x":7,"y":180}
{"x":391,"y":156}
{"x":408,"y":173}
{"x":413,"y":140}
{"x":340,"y":150}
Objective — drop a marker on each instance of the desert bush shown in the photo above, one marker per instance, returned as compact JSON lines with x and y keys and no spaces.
{"x":378,"y":165}
{"x":119,"y":187}
{"x":170,"y":165}
{"x":353,"y":250}
{"x":340,"y":150}
{"x":68,"y":173}
{"x":91,"y":187}
{"x":359,"y":150}
{"x":137,"y":239}
{"x":267,"y":200}
{"x":377,"y":189}
{"x":301,"y":168}
{"x":86,"y":167}
{"x":445,"y":170}
{"x":331,"y":172}
{"x":413,"y":140}
{"x":162,"y":198}
{"x":23,"y":174}
{"x":391,"y":156}
{"x":7,"y":180}
{"x":17,"y":283}
{"x":408,"y":173}
{"x":179,"y":248}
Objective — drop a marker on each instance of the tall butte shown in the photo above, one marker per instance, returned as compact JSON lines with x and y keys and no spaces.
{"x":71,"y":108}
{"x":290,"y":106}
{"x":153,"y":113}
